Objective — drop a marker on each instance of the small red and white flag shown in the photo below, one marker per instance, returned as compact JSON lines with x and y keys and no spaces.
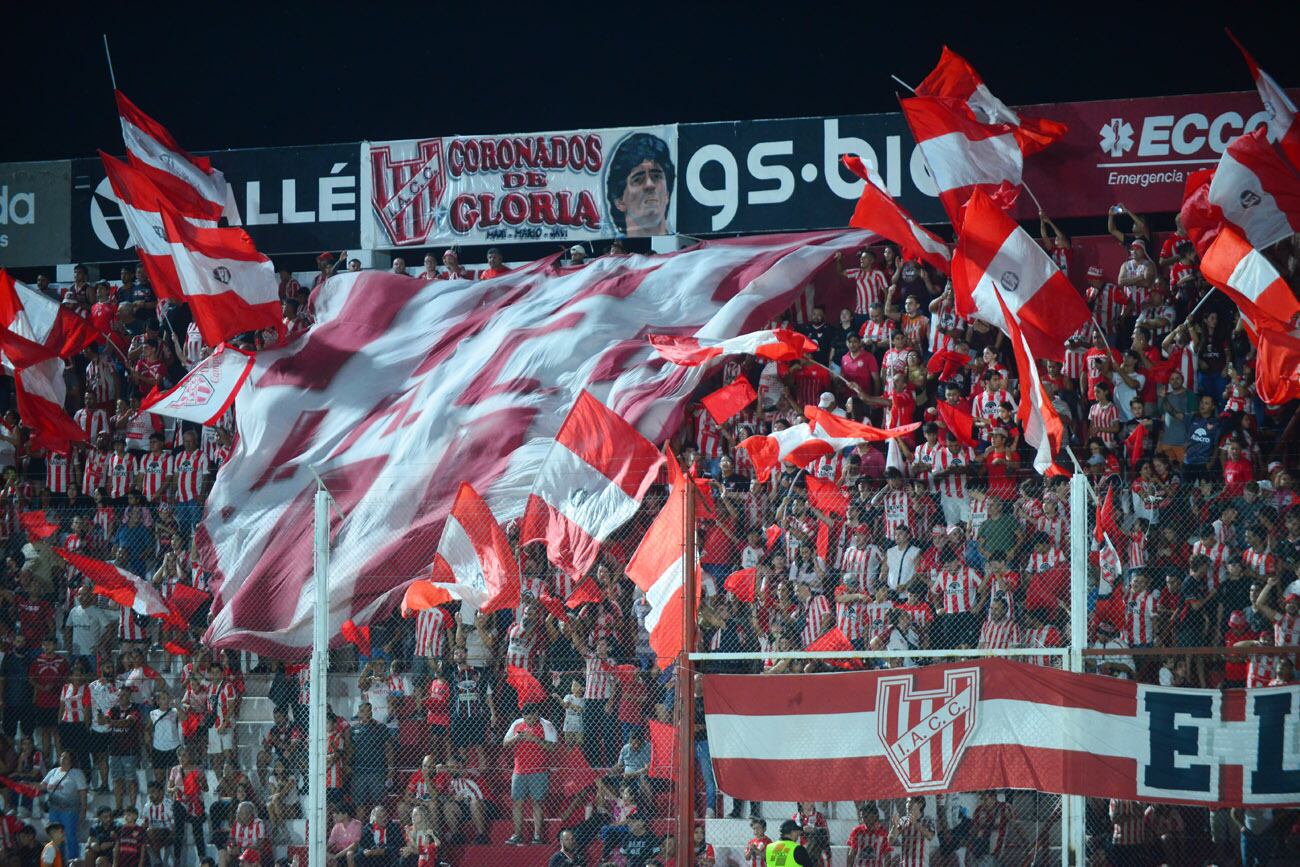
{"x":591,"y":483}
{"x":1243,"y":273}
{"x":124,"y":588}
{"x":142,"y":205}
{"x":964,"y":155}
{"x":190,"y":183}
{"x":1282,"y":127}
{"x":230,"y":287}
{"x":724,"y":403}
{"x":954,"y":78}
{"x":1041,"y":422}
{"x":997,"y":263}
{"x":657,"y":568}
{"x":207,"y":391}
{"x":474,"y":563}
{"x":877,"y":212}
{"x":777,"y":345}
{"x":801,"y":444}
{"x":36,"y":328}
{"x":959,"y":423}
{"x":1255,"y":189}
{"x":37,"y":525}
{"x":42,"y":394}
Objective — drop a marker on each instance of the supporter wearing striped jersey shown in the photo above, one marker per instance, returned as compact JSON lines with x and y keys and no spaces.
{"x":462,"y":799}
{"x":155,"y":470}
{"x":1285,"y":617}
{"x":878,"y":331}
{"x":869,"y":840}
{"x":871,"y":286}
{"x":157,"y":818}
{"x":999,"y":630}
{"x":191,"y":469}
{"x":911,"y":834}
{"x":989,"y":826}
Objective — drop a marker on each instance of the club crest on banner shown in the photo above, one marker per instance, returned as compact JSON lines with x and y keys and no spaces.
{"x":221,"y":273}
{"x":925,"y":732}
{"x":1250,"y":198}
{"x":1009,"y":281}
{"x":408,"y":194}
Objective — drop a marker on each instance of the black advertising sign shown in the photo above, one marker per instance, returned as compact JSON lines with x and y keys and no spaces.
{"x":291,"y":200}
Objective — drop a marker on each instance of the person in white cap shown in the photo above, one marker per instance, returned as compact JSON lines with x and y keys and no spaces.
{"x":827,"y":402}
{"x":577,"y":256}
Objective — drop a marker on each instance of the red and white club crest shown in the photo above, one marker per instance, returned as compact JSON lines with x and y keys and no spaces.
{"x":407,"y":194}
{"x":198,"y":391}
{"x":925,"y":732}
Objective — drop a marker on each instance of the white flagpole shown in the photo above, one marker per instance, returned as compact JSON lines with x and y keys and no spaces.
{"x":108,"y":55}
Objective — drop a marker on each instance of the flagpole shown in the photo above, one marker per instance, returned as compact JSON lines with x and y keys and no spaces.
{"x":108,"y":55}
{"x":909,"y":87}
{"x":1204,"y":298}
{"x":686,"y":683}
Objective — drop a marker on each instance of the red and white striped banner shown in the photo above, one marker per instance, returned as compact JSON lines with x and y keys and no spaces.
{"x":996,"y":724}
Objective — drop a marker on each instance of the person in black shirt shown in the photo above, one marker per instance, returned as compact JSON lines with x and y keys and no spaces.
{"x":639,"y":846}
{"x":821,"y":332}
{"x":129,"y":849}
{"x":568,"y":856}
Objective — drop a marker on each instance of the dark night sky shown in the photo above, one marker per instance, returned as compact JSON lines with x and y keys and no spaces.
{"x":313,"y":74}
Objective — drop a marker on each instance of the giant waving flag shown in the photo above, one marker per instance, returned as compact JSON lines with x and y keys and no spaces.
{"x":954,"y":78}
{"x":404,"y":388}
{"x":877,"y":212}
{"x":823,"y":435}
{"x":188,"y":182}
{"x":994,"y":254}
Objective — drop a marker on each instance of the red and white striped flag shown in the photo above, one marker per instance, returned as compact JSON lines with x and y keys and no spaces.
{"x":657,"y":568}
{"x":804,"y":443}
{"x":207,"y":391}
{"x":591,"y":483}
{"x":142,"y":205}
{"x":124,"y":588}
{"x":190,"y":183}
{"x":474,"y":563}
{"x":964,"y":155}
{"x":1255,"y":189}
{"x":1041,"y":422}
{"x":954,"y":78}
{"x":1277,"y":366}
{"x":36,"y":328}
{"x":1282,"y":127}
{"x":42,"y":394}
{"x":777,"y":345}
{"x":877,"y":212}
{"x":994,"y":253}
{"x":230,"y":287}
{"x":1243,"y":273}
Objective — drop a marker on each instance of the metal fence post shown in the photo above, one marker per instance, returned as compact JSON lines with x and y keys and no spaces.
{"x":317,"y":736}
{"x":1073,"y":829}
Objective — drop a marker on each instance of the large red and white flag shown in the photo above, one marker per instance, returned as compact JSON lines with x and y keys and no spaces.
{"x":405,"y":388}
{"x":207,"y":391}
{"x":777,"y":345}
{"x":1282,"y":127}
{"x":1199,"y":216}
{"x":474,"y":564}
{"x":1277,"y":366}
{"x":42,"y":395}
{"x":1255,"y":188}
{"x":658,"y":567}
{"x":591,"y":483}
{"x":998,"y":724}
{"x":877,"y":212}
{"x":964,"y":155}
{"x":128,"y":590}
{"x":230,"y":287}
{"x":1243,"y":273}
{"x":823,"y":435}
{"x":1040,"y":420}
{"x":142,"y":205}
{"x":190,"y":183}
{"x":35,"y":328}
{"x":994,"y":253}
{"x":954,"y":78}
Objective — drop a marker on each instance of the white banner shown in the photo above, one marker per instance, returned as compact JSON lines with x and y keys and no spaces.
{"x":560,"y":186}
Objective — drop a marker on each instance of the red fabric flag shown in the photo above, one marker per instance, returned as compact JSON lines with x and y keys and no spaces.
{"x":527,"y":686}
{"x":1134,"y":444}
{"x":575,"y":773}
{"x":771,"y":535}
{"x":1275,"y":367}
{"x":176,"y":648}
{"x":960,"y":423}
{"x":27,"y":791}
{"x":831,"y":639}
{"x":127,"y":590}
{"x":877,"y":212}
{"x":37,"y":328}
{"x":823,"y":542}
{"x":1200,"y":217}
{"x":826,"y":497}
{"x":188,"y":600}
{"x":1242,"y":273}
{"x":187,"y":180}
{"x":1048,"y":588}
{"x":587,"y":591}
{"x":36,"y":525}
{"x":945,"y":363}
{"x":724,"y":403}
{"x":1105,"y":524}
{"x":1279,"y":107}
{"x":777,"y":345}
{"x":662,"y":738}
{"x":553,"y":606}
{"x":741,"y":583}
{"x":359,"y":636}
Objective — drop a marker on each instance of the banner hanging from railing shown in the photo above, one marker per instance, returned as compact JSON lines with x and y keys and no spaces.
{"x":996,"y":724}
{"x":561,"y":186}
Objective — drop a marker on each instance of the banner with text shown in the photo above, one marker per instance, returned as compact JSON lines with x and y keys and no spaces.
{"x":561,"y":186}
{"x":996,"y":724}
{"x":34,"y":213}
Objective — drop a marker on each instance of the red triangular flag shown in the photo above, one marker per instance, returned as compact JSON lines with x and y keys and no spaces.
{"x":1105,"y":520}
{"x":724,"y":403}
{"x":741,"y":583}
{"x":36,"y":525}
{"x":188,"y":600}
{"x":23,"y":789}
{"x":527,"y":687}
{"x":575,"y":773}
{"x":587,"y":591}
{"x":176,"y":648}
{"x":831,"y":639}
{"x":359,"y":636}
{"x":945,"y":363}
{"x":663,"y":750}
{"x":826,"y":496}
{"x":960,"y":424}
{"x":771,"y":535}
{"x":1134,"y":445}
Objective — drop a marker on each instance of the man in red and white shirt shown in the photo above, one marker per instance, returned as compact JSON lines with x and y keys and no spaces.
{"x":247,"y":833}
{"x":431,"y":628}
{"x":869,"y":839}
{"x":223,"y":700}
{"x":870,"y":283}
{"x":952,"y":463}
{"x":956,"y":593}
{"x":1108,"y":301}
{"x":990,"y":822}
{"x":1217,"y":553}
{"x":92,"y":419}
{"x":911,"y":834}
{"x":191,"y":469}
{"x":999,"y":630}
{"x":1286,"y":622}
{"x":1141,"y":608}
{"x":897,"y":503}
{"x":877,"y":332}
{"x":816,"y":613}
{"x":57,"y":473}
{"x":119,"y":470}
{"x":531,"y":737}
{"x":155,"y":469}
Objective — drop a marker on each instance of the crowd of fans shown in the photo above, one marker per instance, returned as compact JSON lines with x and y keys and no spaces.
{"x":937,"y":545}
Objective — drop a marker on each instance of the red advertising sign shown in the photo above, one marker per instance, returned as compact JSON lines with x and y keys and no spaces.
{"x":1135,"y":151}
